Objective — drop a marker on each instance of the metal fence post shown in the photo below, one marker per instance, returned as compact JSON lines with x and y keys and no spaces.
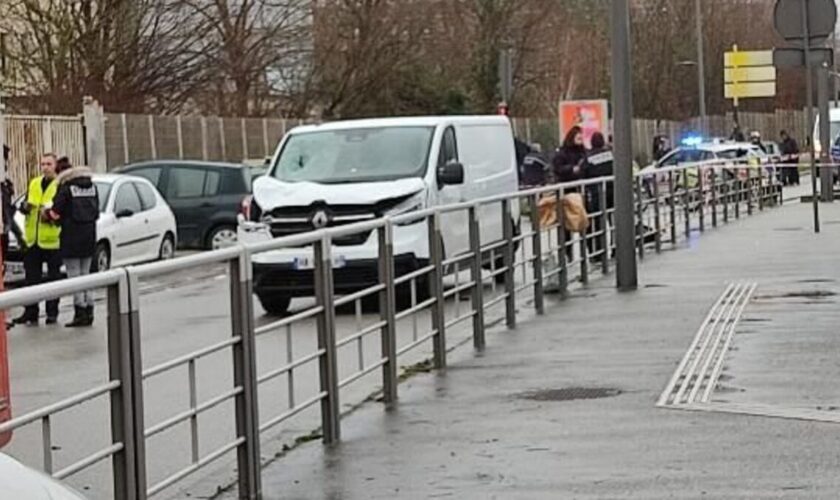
{"x":686,"y":203}
{"x":179,"y":132}
{"x":245,"y":154}
{"x":388,"y":313}
{"x":328,"y":364}
{"x":726,"y":187}
{"x":536,"y":250}
{"x":127,"y":156}
{"x":701,"y":190}
{"x":672,"y":206}
{"x":477,"y":295}
{"x":640,"y":223}
{"x":152,"y":138}
{"x":605,"y":227}
{"x":136,"y":363}
{"x":125,"y":462}
{"x":657,"y":221}
{"x":750,"y":200}
{"x":438,"y":311}
{"x":562,"y":244}
{"x":760,"y":188}
{"x":738,"y":192}
{"x":222,"y":138}
{"x":714,"y":188}
{"x":245,"y":376}
{"x":509,"y":259}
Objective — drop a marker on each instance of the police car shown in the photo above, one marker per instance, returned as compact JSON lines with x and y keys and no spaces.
{"x":729,"y":158}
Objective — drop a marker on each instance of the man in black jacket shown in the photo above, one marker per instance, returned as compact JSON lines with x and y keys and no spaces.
{"x":598,"y":163}
{"x":76,"y":208}
{"x":790,"y":156}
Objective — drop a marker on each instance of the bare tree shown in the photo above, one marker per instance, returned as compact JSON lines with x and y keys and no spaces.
{"x":255,"y":52}
{"x":130,"y":54}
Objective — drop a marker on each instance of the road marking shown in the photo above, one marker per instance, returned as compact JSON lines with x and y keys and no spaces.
{"x":701,"y":366}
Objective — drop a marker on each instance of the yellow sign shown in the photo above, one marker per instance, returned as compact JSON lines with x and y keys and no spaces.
{"x":738,"y":59}
{"x":749,"y":89}
{"x":749,"y":74}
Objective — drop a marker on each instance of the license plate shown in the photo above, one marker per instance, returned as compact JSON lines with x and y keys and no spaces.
{"x":307,"y":263}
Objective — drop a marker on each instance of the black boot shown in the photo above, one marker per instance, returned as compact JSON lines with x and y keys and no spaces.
{"x":78,"y":318}
{"x":27,"y":318}
{"x":88,"y":315}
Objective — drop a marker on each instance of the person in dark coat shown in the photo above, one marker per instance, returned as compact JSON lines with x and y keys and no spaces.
{"x":534,"y":168}
{"x":76,"y":208}
{"x":568,"y":162}
{"x":7,"y":196}
{"x":598,"y":163}
{"x":790,"y":155}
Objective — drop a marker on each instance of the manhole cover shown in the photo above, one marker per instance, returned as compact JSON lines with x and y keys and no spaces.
{"x":571,"y":394}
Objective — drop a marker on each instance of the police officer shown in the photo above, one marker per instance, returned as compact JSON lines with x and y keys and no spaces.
{"x":41,"y":235}
{"x":598,"y":163}
{"x":76,"y":208}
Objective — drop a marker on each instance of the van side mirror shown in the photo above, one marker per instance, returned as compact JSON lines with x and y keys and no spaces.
{"x":450,"y":174}
{"x":124,"y":213}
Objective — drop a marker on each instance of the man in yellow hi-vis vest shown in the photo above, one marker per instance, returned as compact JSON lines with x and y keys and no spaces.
{"x":41,"y":235}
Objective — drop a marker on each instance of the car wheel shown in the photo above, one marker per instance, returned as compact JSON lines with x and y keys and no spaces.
{"x":221,"y":237}
{"x":167,"y":248}
{"x":275,"y":305}
{"x":102,"y":257}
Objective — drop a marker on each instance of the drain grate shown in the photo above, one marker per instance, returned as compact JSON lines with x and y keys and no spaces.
{"x":571,"y":394}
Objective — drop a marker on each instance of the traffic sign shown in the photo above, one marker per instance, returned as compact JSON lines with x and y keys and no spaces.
{"x":749,"y":74}
{"x":821,"y":19}
{"x":749,"y":89}
{"x":748,"y":58}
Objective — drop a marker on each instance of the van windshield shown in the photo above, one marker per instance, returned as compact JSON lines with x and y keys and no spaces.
{"x":357,"y":155}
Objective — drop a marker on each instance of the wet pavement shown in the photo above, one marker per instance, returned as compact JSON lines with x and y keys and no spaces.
{"x":565,"y":406}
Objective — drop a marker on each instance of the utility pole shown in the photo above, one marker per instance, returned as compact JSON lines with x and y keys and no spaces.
{"x":622,"y":101}
{"x":701,"y":64}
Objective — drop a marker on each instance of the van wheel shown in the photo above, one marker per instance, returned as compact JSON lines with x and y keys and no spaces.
{"x":101,"y":257}
{"x":275,"y":305}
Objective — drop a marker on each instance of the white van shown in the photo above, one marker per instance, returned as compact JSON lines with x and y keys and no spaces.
{"x":346,"y":172}
{"x":834,"y":130}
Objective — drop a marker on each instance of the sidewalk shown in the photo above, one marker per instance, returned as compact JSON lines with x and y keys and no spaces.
{"x":492,"y":426}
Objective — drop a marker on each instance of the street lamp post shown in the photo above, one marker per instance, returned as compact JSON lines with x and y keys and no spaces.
{"x":622,"y":97}
{"x":701,"y":66}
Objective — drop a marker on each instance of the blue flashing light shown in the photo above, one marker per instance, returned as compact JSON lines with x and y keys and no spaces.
{"x":692,"y":141}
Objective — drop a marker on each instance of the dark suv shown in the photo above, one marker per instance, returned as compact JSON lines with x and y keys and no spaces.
{"x":205,"y":197}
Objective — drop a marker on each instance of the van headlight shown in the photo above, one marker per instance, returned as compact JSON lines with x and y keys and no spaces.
{"x":412,"y":204}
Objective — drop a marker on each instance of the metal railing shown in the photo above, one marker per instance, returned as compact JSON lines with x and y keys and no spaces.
{"x":416,"y":308}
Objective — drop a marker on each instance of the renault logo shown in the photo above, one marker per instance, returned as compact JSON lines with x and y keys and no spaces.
{"x":320,"y":219}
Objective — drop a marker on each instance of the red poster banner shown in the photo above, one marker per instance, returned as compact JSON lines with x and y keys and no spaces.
{"x":591,"y":116}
